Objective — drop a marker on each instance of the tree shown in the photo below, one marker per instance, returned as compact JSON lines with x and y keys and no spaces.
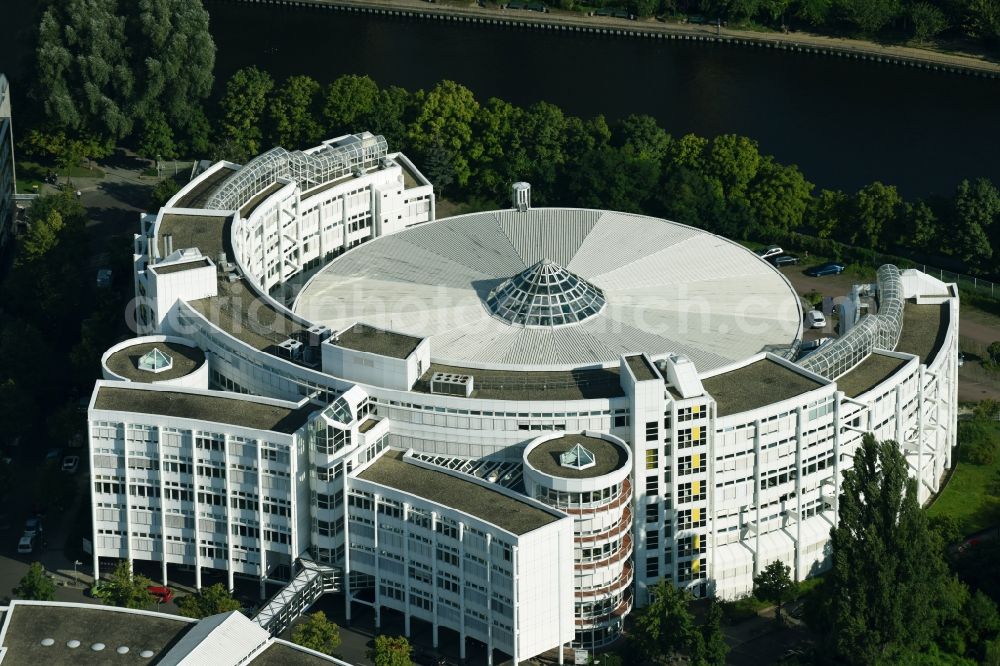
{"x":716,"y":648}
{"x":350,"y":104}
{"x":888,"y":592}
{"x":317,"y":633}
{"x":928,"y":20}
{"x":983,"y":19}
{"x":734,"y":160}
{"x":642,"y":137}
{"x":84,"y":79}
{"x":774,"y":583}
{"x":293,"y":113}
{"x":444,"y":123}
{"x":211,"y":601}
{"x":870,"y":15}
{"x":35,"y":585}
{"x":391,"y":651}
{"x":976,"y":208}
{"x":875,"y":207}
{"x":42,"y":236}
{"x":778,"y":197}
{"x":124,"y":588}
{"x":665,"y":626}
{"x":106,"y":66}
{"x":242,"y":110}
{"x":156,"y":140}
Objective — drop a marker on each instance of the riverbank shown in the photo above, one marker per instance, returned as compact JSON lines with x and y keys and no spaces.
{"x":559,"y":20}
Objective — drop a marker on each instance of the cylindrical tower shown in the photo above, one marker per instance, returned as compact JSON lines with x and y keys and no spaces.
{"x":587,"y":476}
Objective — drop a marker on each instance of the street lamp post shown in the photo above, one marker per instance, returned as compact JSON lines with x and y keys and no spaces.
{"x":76,"y":581}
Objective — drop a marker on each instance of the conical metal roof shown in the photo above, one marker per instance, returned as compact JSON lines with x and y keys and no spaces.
{"x":545,"y":295}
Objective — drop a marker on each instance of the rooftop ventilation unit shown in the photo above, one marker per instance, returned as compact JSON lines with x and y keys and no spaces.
{"x":317,"y":334}
{"x":290,"y":349}
{"x":446,"y":383}
{"x":521,"y":196}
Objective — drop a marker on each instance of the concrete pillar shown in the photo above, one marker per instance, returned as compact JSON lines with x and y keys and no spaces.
{"x":197,"y":569}
{"x":164,"y":568}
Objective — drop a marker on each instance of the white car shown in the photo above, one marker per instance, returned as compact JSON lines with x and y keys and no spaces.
{"x":70,"y":464}
{"x":815,"y":319}
{"x":26,"y":545}
{"x":770,"y":251}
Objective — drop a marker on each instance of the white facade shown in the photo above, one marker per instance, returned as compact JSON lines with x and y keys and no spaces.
{"x":731,"y":461}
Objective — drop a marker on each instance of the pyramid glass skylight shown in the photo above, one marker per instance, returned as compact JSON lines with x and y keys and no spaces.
{"x":545,"y":295}
{"x":577,"y":458}
{"x":155,"y":361}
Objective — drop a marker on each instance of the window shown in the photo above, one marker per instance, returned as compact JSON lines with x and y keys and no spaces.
{"x":652,"y":485}
{"x":690,"y":518}
{"x":652,"y":540}
{"x":691,"y":464}
{"x":691,"y":492}
{"x":652,"y":513}
{"x":689,"y":437}
{"x":652,"y":567}
{"x":652,"y":432}
{"x":652,"y":459}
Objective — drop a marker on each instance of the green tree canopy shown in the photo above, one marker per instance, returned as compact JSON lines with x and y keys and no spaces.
{"x":350,"y":104}
{"x":317,"y":633}
{"x":889,"y":597}
{"x":211,"y":601}
{"x":35,"y":585}
{"x":444,"y":125}
{"x":124,"y":588}
{"x":243,"y":104}
{"x":391,"y":651}
{"x":104,"y":67}
{"x":665,"y":627}
{"x":774,"y":584}
{"x":293,"y":114}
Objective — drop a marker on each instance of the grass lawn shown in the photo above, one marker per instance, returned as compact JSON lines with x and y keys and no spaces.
{"x":968,"y":498}
{"x":30,"y":174}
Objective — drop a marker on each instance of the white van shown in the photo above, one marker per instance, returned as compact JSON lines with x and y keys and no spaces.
{"x":815,"y":319}
{"x":26,"y":545}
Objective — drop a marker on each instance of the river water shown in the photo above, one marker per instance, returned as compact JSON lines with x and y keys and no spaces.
{"x":845,"y":123}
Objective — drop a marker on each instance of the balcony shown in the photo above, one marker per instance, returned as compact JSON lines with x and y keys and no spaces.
{"x":623,"y":581}
{"x":624,"y":497}
{"x":612,"y":617}
{"x":624,"y":524}
{"x":622,"y":553}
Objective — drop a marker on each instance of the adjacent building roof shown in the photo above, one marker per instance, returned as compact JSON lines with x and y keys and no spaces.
{"x":640,"y":368}
{"x":607,"y":457}
{"x":125,"y":362}
{"x":30,"y":624}
{"x":167,"y":269}
{"x":198,"y":196}
{"x":668,"y":288}
{"x":228,"y":408}
{"x":551,"y":385}
{"x":924,"y":330}
{"x":755,"y":385}
{"x":453,"y":491}
{"x":361,"y":337}
{"x":868,"y":374}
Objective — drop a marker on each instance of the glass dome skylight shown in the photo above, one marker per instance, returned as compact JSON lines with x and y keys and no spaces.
{"x":545,"y":295}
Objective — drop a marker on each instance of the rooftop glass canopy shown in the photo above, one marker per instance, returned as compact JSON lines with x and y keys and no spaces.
{"x":545,"y":295}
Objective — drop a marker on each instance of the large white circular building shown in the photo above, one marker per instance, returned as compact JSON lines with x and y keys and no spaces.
{"x":380,"y":432}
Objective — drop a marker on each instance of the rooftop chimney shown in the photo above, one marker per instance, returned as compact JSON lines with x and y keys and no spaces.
{"x":521,"y":196}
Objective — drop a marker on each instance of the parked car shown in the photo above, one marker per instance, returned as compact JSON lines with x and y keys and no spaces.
{"x":52,"y":455}
{"x":783,"y":260}
{"x":815,"y":319}
{"x":770,"y":251}
{"x":26,"y":545}
{"x":32,"y":527}
{"x":829,"y":268}
{"x":163,"y":594}
{"x":70,"y":464}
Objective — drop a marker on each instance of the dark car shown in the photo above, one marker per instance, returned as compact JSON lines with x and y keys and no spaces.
{"x":825,"y":269}
{"x":784,"y":260}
